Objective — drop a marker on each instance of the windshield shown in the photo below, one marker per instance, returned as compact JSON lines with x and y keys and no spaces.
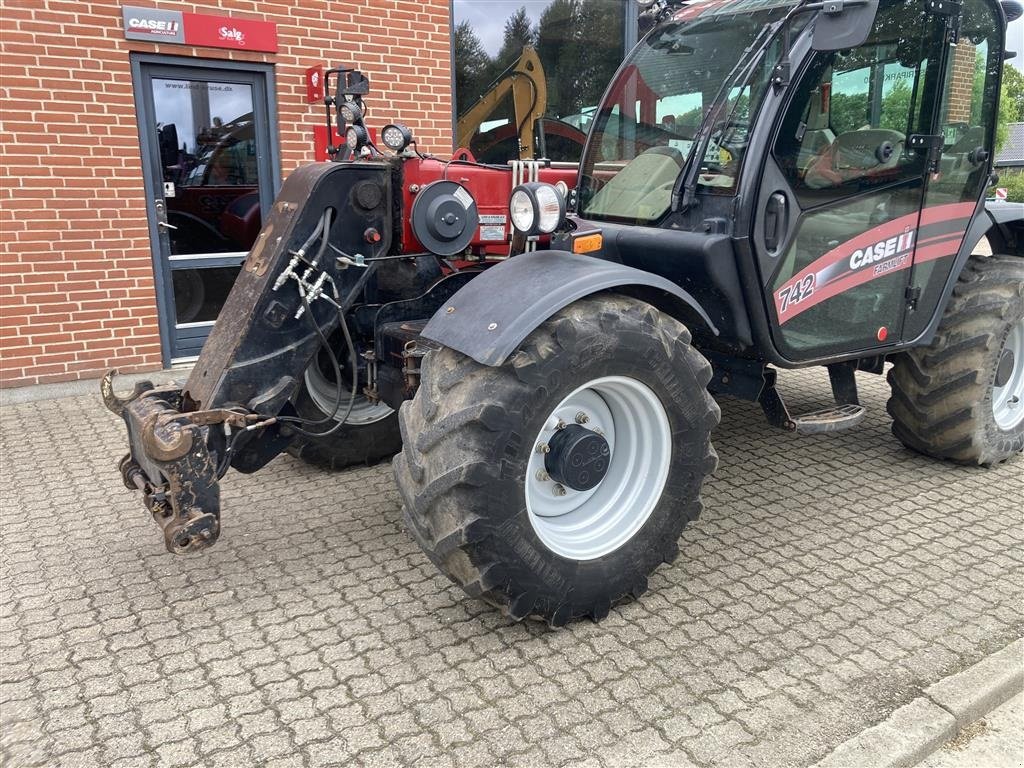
{"x":646,"y":127}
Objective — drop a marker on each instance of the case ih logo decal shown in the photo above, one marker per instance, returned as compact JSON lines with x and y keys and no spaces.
{"x":158,"y":26}
{"x":880,"y":251}
{"x":153,"y":25}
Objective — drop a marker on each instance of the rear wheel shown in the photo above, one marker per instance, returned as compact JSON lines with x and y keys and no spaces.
{"x":369,"y":434}
{"x":554,"y":485}
{"x":962,"y":397}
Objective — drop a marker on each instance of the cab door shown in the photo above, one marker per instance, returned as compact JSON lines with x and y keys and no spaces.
{"x":845,"y":185}
{"x":964,"y":137}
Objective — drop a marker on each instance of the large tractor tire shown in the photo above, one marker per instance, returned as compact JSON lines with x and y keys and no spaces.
{"x":554,"y":485}
{"x":962,"y":397}
{"x":369,"y":434}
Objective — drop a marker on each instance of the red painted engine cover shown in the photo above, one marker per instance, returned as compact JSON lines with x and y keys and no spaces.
{"x":490,"y":187}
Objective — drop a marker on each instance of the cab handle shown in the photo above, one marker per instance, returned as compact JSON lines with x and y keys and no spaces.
{"x":775,"y":221}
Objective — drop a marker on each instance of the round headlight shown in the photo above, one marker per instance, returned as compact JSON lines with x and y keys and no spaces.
{"x":551,"y":206}
{"x":351,"y":112}
{"x":522,"y":211}
{"x":396,"y":137}
{"x":536,"y":208}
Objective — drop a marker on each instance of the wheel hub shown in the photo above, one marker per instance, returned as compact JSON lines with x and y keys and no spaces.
{"x":578,"y":458}
{"x":1008,"y":383}
{"x":590,"y":489}
{"x":1005,"y":368}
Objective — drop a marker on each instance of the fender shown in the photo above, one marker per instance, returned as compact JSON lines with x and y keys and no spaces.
{"x":491,"y":315}
{"x":1003,"y":224}
{"x":1008,"y":218}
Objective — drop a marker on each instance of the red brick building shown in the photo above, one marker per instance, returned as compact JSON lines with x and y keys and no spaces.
{"x":104,"y":139}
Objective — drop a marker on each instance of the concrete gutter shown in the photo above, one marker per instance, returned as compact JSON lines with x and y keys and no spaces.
{"x":123,"y":384}
{"x":914,"y":731}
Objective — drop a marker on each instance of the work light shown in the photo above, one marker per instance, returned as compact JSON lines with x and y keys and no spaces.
{"x":536,"y":208}
{"x":351,"y":112}
{"x":357,"y":137}
{"x":396,"y":137}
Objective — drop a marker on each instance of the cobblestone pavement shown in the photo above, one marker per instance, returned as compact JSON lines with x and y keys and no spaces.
{"x":829,"y":580}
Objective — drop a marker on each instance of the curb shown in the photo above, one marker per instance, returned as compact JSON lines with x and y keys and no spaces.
{"x":914,"y":731}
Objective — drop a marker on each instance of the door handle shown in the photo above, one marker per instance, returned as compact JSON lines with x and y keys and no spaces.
{"x":165,"y":225}
{"x":775,"y":221}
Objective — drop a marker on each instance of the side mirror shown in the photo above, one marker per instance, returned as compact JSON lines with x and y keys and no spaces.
{"x":1012,"y":10}
{"x":843,"y":24}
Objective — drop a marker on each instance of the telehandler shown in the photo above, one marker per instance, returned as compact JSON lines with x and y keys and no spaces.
{"x":542,"y":344}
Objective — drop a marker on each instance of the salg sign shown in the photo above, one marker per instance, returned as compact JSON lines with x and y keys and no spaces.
{"x":162,"y":26}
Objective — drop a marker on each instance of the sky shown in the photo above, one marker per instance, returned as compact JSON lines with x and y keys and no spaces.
{"x":1015,"y":42}
{"x":488,"y":19}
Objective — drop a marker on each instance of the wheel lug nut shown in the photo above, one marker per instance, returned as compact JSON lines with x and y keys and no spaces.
{"x":560,"y":425}
{"x":582,"y":418}
{"x":560,"y":490}
{"x":542,"y":475}
{"x":543,"y":448}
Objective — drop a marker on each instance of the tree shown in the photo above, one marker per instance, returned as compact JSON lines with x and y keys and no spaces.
{"x":471,"y":66}
{"x":1013,"y":93}
{"x":896,"y":107}
{"x":849,"y":111}
{"x":557,"y":47}
{"x":519,"y":33}
{"x":1009,"y":110}
{"x":599,"y":55}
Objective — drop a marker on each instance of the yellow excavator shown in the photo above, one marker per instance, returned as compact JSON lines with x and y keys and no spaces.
{"x":523,"y":133}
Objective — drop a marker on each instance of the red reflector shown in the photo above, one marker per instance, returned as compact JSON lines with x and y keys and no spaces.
{"x":883,"y":333}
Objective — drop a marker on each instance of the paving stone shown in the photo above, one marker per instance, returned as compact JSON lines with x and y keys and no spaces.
{"x":829,"y":581}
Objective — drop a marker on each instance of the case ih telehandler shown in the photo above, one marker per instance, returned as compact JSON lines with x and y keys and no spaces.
{"x":814,"y":201}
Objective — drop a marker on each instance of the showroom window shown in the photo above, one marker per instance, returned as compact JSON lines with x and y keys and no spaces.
{"x":529,"y":73}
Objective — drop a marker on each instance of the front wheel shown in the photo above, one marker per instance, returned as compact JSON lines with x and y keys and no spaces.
{"x":962,"y":397}
{"x":369,"y":434}
{"x":554,"y":485}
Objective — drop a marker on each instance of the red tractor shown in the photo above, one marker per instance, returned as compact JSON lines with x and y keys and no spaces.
{"x":542,"y":345}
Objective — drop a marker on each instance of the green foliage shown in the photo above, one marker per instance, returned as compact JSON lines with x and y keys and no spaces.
{"x":519,"y":33}
{"x":1011,"y":104}
{"x":1014,"y":184}
{"x":896,"y":107}
{"x":849,"y":111}
{"x":577,"y":42}
{"x":1012,"y":94}
{"x":471,"y":65}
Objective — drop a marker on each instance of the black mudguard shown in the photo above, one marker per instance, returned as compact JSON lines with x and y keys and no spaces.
{"x":492,"y":315}
{"x":1007,"y":219}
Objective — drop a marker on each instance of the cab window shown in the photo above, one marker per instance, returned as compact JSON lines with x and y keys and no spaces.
{"x":846,"y":128}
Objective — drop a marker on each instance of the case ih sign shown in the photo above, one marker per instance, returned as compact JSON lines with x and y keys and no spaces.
{"x":161,"y":26}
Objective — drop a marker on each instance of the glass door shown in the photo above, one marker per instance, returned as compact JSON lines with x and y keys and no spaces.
{"x":207,"y":142}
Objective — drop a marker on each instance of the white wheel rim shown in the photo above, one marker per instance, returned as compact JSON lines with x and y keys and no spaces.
{"x":324,"y":393}
{"x":585,"y":525}
{"x":1008,"y":400}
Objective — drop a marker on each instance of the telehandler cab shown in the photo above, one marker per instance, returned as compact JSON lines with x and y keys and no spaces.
{"x":767,"y":184}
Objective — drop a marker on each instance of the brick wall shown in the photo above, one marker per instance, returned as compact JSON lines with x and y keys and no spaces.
{"x":962,"y":86}
{"x":77,"y":293}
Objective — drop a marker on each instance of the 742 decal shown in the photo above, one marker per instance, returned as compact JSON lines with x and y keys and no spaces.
{"x":795,"y":293}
